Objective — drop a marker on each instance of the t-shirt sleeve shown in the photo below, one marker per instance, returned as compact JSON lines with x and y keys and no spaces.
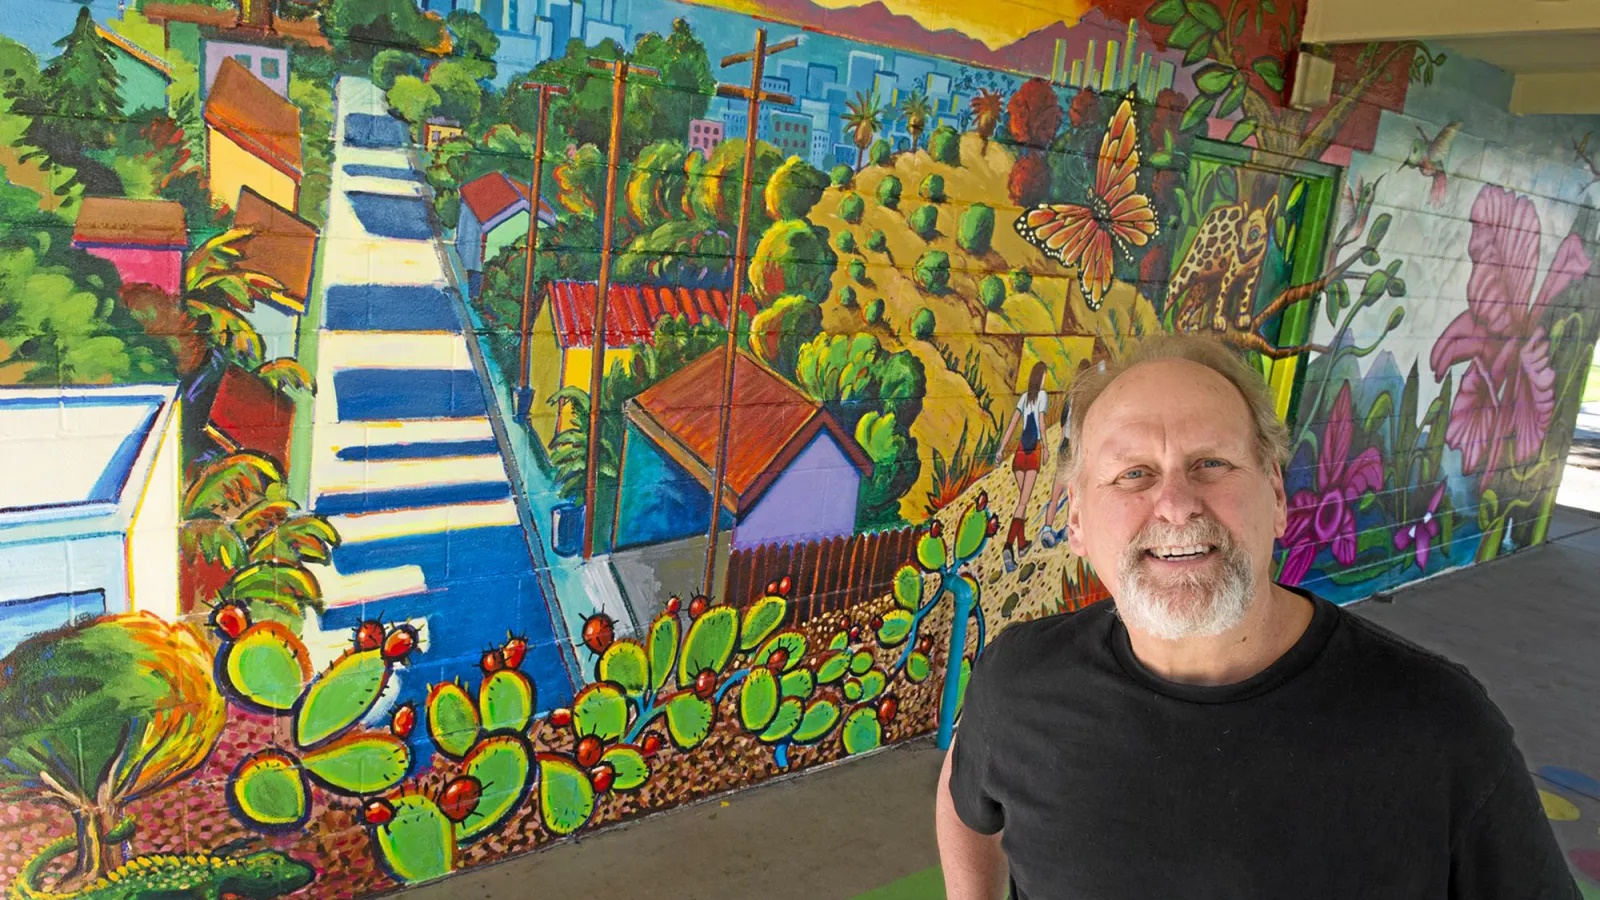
{"x":970,"y":754}
{"x":1507,"y":850}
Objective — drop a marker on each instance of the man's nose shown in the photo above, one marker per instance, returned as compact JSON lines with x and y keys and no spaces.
{"x":1177,"y":498}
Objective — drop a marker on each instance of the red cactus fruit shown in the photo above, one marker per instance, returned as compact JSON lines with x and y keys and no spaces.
{"x":598,"y":632}
{"x":403,"y":720}
{"x":460,"y":798}
{"x":589,"y":751}
{"x":401,"y":641}
{"x":369,"y":635}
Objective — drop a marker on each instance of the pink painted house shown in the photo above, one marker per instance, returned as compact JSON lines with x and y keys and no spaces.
{"x":144,"y":239}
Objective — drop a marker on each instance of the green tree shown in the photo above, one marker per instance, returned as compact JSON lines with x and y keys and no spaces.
{"x":389,"y":64}
{"x":414,"y":99}
{"x":841,"y":175}
{"x":873,"y":313}
{"x":1021,"y":280}
{"x":877,"y":241}
{"x":858,"y":271}
{"x":945,"y":145}
{"x":778,"y":332}
{"x":792,"y":258}
{"x":714,"y":190}
{"x":315,"y":102}
{"x":845,"y":241}
{"x":864,"y":118}
{"x":78,"y":90}
{"x":894,"y":470}
{"x":654,"y":190}
{"x":361,"y":28}
{"x":794,"y":189}
{"x":889,"y":192}
{"x":881,"y":153}
{"x":924,"y":221}
{"x":976,"y":230}
{"x":851,"y":206}
{"x":853,"y":375}
{"x":915,"y":110}
{"x":471,"y":37}
{"x":456,"y":81}
{"x":686,"y":85}
{"x":847,"y":296}
{"x":932,"y":188}
{"x":97,"y":715}
{"x":923,"y":324}
{"x":932,"y":272}
{"x":992,"y":292}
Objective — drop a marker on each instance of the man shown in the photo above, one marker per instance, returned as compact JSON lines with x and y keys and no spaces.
{"x":1211,"y":734}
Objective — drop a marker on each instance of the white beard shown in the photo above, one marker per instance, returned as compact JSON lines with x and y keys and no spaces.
{"x":1201,"y":603}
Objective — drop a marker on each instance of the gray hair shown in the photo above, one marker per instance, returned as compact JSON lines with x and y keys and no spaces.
{"x":1271,"y":435}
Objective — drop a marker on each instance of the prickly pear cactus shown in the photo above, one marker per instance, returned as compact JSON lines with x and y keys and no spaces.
{"x":265,"y":667}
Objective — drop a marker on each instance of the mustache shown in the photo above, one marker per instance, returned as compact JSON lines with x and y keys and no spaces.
{"x":1169,"y":534}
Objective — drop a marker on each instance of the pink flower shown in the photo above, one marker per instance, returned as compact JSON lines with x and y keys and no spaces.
{"x":1326,"y":516}
{"x":1508,"y":388}
{"x":1421,"y":533}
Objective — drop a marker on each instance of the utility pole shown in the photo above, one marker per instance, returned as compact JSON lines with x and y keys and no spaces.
{"x":524,"y":376}
{"x":620,"y":70}
{"x":757,"y":58}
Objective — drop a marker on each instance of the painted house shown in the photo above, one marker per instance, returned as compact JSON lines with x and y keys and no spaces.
{"x":269,"y":64}
{"x":284,"y":246}
{"x":88,"y":504}
{"x":143,"y":77}
{"x":494,"y":213}
{"x":247,"y":414}
{"x":437,"y":130}
{"x":144,"y":239}
{"x":564,"y":332}
{"x":793,"y":473}
{"x":252,"y":139}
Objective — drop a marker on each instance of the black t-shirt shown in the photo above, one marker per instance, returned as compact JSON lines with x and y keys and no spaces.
{"x":1356,"y":766}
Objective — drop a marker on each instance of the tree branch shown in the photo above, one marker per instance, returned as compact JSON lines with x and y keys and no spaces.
{"x":1316,"y":141}
{"x":1290,"y":296}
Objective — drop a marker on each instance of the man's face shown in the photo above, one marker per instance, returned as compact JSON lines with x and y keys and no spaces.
{"x":1172,"y":507}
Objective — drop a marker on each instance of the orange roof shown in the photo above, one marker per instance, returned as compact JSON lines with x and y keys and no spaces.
{"x":282,"y":244}
{"x":230,"y":23}
{"x":771,"y":422}
{"x":490,"y":195}
{"x":632,"y":310}
{"x":119,"y":220}
{"x":253,"y":116}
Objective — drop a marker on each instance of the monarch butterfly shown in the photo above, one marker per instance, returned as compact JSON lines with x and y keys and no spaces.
{"x":1083,"y":235}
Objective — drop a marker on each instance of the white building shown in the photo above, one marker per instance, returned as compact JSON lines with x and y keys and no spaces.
{"x":88,"y":505}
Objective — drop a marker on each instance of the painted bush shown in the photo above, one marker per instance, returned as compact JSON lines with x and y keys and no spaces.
{"x":345,"y":450}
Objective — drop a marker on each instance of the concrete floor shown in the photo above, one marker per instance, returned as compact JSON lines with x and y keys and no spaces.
{"x":1526,"y":626}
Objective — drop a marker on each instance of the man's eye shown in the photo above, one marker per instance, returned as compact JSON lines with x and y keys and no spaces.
{"x":1212,"y":463}
{"x":1133,"y":473}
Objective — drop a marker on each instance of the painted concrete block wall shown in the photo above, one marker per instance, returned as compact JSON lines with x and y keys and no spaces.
{"x":416,"y":643}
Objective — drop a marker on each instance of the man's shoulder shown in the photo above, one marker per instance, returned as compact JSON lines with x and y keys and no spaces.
{"x":1058,"y":639}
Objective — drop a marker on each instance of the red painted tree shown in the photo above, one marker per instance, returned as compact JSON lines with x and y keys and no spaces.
{"x":1034,"y":114}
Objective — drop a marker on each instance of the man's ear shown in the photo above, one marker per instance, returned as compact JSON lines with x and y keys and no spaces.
{"x":1074,"y":520}
{"x":1280,"y":501}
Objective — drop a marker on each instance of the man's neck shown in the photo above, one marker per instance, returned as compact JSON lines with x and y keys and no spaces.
{"x":1275,"y":622}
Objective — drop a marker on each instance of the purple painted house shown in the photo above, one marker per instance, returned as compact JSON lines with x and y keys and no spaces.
{"x":793,"y":473}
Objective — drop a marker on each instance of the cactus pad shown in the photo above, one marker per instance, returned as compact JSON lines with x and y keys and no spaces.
{"x":862,"y":732}
{"x":840,"y":641}
{"x":662,"y":648}
{"x":452,"y":719}
{"x":340,"y":696}
{"x":629,"y":765}
{"x":688,"y":720}
{"x":860,"y":662}
{"x":785,"y":721}
{"x":626,"y":665}
{"x":505,"y":700}
{"x":366,"y":762}
{"x":872,"y":683}
{"x":896,"y":626}
{"x":799,"y":683}
{"x":419,"y":843}
{"x":758,"y":699}
{"x":791,"y":642}
{"x":566,"y":795}
{"x":709,"y":643}
{"x":930,"y":553}
{"x":269,"y":790}
{"x":266,"y":666}
{"x":971,"y":532}
{"x":918,"y":666}
{"x":820,"y":717}
{"x":600,"y":710}
{"x":908,"y":587}
{"x":503,"y":765}
{"x":835,"y":663}
{"x":760,"y":619}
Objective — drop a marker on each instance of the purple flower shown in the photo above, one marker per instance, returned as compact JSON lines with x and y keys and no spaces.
{"x":1508,"y":388}
{"x":1422,"y":533}
{"x":1326,"y":516}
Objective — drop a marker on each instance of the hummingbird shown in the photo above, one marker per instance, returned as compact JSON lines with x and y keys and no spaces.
{"x":1428,"y":155}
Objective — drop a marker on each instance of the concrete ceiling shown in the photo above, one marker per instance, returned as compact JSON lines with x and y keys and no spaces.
{"x":1552,"y":47}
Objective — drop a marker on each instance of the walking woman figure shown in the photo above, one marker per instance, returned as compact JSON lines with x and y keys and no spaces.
{"x":1025,"y":462}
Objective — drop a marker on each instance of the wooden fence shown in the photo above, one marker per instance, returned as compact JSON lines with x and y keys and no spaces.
{"x":825,"y":575}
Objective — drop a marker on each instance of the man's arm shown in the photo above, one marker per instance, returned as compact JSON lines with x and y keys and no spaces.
{"x":1508,"y":849}
{"x":974,"y":865}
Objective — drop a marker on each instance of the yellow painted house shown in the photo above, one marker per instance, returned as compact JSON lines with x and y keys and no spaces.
{"x":252,"y":139}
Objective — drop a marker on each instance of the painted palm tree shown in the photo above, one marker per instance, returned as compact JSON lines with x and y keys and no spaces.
{"x":986,"y":108}
{"x":864,"y":115}
{"x":245,"y":541}
{"x":916,"y":110}
{"x":217,"y":291}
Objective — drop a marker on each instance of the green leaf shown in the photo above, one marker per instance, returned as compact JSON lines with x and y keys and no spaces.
{"x":1241,"y":132}
{"x":267,"y":666}
{"x":688,"y":720}
{"x":760,"y":619}
{"x":1205,"y":13}
{"x":1166,"y":13}
{"x":1196,"y":52}
{"x":862,"y":731}
{"x":833,"y":666}
{"x":1376,"y":285}
{"x":930,"y":553}
{"x":1231,"y":103}
{"x":452,"y":719}
{"x":872,"y":684}
{"x":566,"y":795}
{"x":785,"y":721}
{"x":1269,"y":7}
{"x":709,"y":643}
{"x":908,"y":587}
{"x":819,"y":719}
{"x":269,"y":789}
{"x":1188,"y":31}
{"x":1374,"y":538}
{"x":1381,"y":406}
{"x":917,"y":667}
{"x":758,"y":699}
{"x":1397,"y":287}
{"x":1271,"y":72}
{"x":1199,"y":109}
{"x":600,"y":710}
{"x":663,"y":649}
{"x":861,"y":662}
{"x":1214,"y":78}
{"x":631,"y":771}
{"x":896,"y":627}
{"x":1338,"y":299}
{"x":1370,"y":257}
{"x":505,"y":700}
{"x":1380,"y":227}
{"x":367,"y":762}
{"x":799,"y":683}
{"x":791,"y":642}
{"x":340,"y":696}
{"x":625,"y":663}
{"x":503,"y":766}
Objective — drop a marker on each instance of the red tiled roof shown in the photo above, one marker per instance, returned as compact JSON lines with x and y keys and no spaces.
{"x":119,"y":220}
{"x":770,"y":423}
{"x":253,"y":116}
{"x":282,"y":244}
{"x":490,"y":195}
{"x":631,"y":311}
{"x":250,"y":415}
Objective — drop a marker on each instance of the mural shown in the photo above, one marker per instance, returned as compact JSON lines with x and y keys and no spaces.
{"x":436,"y":430}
